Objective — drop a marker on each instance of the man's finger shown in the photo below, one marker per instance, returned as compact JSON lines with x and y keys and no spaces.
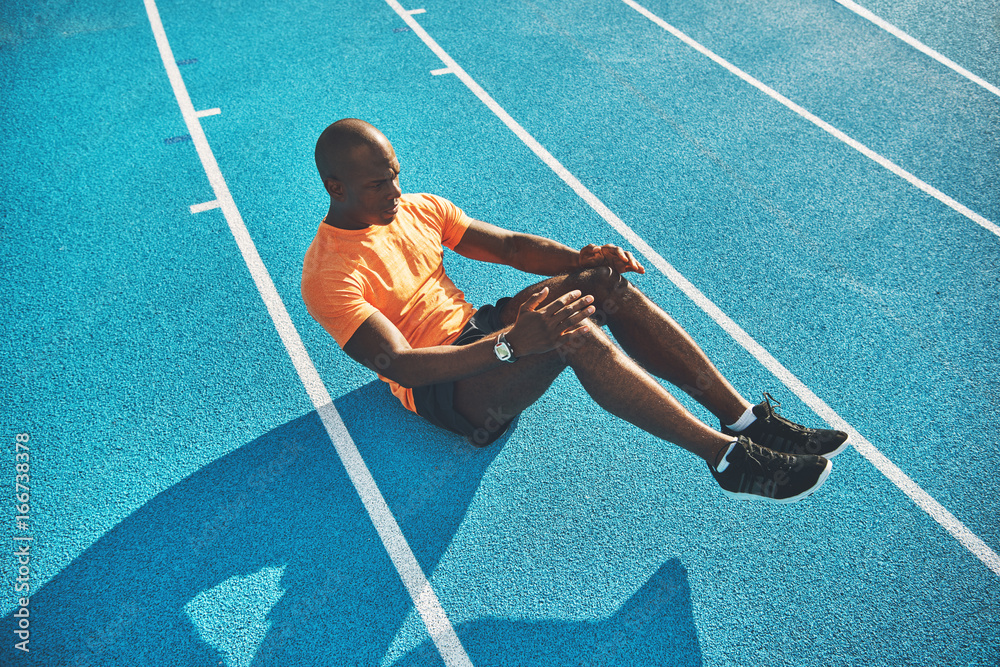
{"x":532,"y":301}
{"x":629,"y":262}
{"x":623,"y":260}
{"x":577,"y":317}
{"x":558,"y":304}
{"x":633,"y":264}
{"x":573,"y":306}
{"x":582,"y":329}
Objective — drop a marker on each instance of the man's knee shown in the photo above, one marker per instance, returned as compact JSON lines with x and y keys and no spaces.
{"x":608,"y":287}
{"x":597,"y":277}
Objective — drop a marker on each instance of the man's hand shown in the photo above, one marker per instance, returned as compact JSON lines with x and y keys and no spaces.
{"x":609,"y":255}
{"x":540,"y":329}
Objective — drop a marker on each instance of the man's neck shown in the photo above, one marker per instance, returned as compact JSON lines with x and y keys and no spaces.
{"x":336,"y":219}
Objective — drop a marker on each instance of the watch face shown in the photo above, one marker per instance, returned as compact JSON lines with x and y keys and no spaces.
{"x":502,"y":350}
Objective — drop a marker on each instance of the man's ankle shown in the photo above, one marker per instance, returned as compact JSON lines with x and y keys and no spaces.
{"x":748,"y":417}
{"x":721,"y":455}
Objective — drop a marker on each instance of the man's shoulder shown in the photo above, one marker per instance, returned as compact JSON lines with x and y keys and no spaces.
{"x":427,"y":203}
{"x":436,"y":212}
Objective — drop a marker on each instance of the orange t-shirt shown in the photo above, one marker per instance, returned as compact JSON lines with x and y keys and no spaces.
{"x":397,"y":270}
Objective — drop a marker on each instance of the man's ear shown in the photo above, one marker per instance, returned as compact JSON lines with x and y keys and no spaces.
{"x":335,"y":188}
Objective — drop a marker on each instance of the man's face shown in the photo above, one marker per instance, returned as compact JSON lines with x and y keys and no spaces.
{"x":369,"y":192}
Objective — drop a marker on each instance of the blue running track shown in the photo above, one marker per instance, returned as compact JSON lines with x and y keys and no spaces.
{"x":198,"y":488}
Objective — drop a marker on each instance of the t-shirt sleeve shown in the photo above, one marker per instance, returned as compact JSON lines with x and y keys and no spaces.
{"x":338,"y":305}
{"x":454,"y":221}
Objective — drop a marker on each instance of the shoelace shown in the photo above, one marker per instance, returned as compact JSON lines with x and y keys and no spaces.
{"x":760,"y":461}
{"x":791,"y":426}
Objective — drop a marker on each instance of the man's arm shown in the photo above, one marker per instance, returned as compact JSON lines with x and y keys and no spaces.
{"x":380,"y":346}
{"x":536,"y":254}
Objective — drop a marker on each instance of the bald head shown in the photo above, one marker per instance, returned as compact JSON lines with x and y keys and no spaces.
{"x":361,"y":174}
{"x":345,"y":143}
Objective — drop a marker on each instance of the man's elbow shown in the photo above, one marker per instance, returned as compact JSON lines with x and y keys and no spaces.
{"x":405,"y":381}
{"x":513,"y":252}
{"x":391,"y":368}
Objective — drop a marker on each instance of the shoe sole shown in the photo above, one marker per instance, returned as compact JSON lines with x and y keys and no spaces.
{"x":844,"y":445}
{"x":784,"y":501}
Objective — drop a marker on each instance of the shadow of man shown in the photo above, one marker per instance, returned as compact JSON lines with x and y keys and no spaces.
{"x":267,"y":556}
{"x":143,"y":593}
{"x":654,"y":627}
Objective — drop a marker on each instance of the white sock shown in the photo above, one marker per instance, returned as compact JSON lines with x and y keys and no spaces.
{"x":723,"y":463}
{"x":748,"y":418}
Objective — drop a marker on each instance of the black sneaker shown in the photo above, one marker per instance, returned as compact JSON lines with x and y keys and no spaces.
{"x":773,"y":431}
{"x":755,"y":472}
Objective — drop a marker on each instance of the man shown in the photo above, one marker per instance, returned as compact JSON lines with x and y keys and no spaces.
{"x":373,"y":277}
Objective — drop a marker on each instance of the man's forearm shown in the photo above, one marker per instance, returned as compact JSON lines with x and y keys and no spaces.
{"x":545,"y":257}
{"x":441,"y":363}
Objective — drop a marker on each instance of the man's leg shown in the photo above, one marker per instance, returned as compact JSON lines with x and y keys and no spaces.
{"x":621,"y":386}
{"x":647,"y":334}
{"x":613,"y":380}
{"x":652,"y":338}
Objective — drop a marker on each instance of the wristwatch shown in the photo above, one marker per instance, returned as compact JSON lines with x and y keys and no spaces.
{"x":503,"y":350}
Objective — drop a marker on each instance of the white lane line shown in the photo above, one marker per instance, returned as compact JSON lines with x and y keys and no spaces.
{"x":423,"y":596}
{"x":918,"y":45}
{"x":892,"y":472}
{"x":208,"y":112}
{"x":207,"y":206}
{"x":820,"y":123}
{"x":416,"y":11}
{"x":439,"y":72}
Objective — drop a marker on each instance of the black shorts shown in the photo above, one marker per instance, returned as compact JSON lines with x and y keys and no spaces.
{"x":436,"y":402}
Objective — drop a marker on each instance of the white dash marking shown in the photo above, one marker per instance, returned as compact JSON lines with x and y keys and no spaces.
{"x":207,"y":206}
{"x":918,"y":45}
{"x":818,"y":122}
{"x":411,"y":12}
{"x":208,"y":112}
{"x":443,"y":70}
